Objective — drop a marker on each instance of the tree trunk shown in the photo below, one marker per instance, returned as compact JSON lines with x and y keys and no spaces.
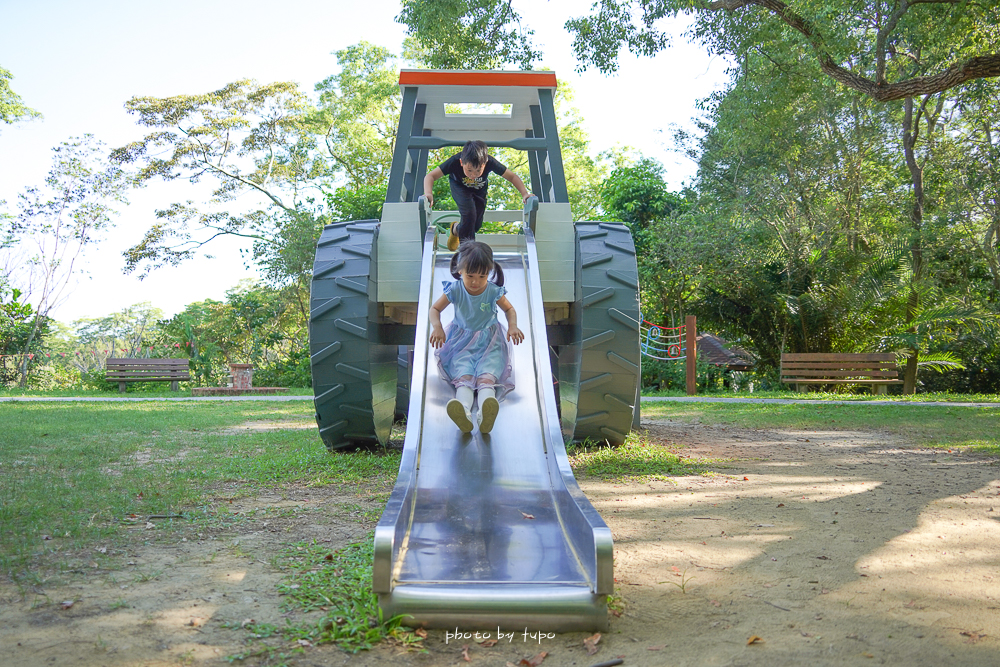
{"x":911,"y":131}
{"x":23,"y":369}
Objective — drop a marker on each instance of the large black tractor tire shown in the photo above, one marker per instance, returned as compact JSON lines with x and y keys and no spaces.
{"x":354,"y":379}
{"x":607,"y":403}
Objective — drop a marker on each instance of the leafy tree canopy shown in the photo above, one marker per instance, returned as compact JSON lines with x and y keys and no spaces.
{"x":466,"y":34}
{"x":358,"y":112}
{"x":885,"y":49}
{"x":243,"y":138}
{"x":12,"y":108}
{"x":638,"y":194}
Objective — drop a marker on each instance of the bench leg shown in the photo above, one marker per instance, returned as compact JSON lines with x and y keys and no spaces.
{"x":175,"y":386}
{"x":121,"y":387}
{"x":801,"y":388}
{"x":879,"y":388}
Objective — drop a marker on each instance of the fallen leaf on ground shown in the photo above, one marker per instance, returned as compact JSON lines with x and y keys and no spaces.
{"x":487,"y":643}
{"x":305,"y":642}
{"x":465,"y":653}
{"x":715,"y":603}
{"x":781,"y":504}
{"x":822,"y":558}
{"x":755,"y":640}
{"x":591,"y":643}
{"x":746,"y":479}
{"x":196,"y":622}
{"x":534,"y":660}
{"x":420,"y":632}
{"x":246,"y":622}
{"x":67,"y":604}
{"x":973,"y":636}
{"x":527,"y":516}
{"x":656,"y":648}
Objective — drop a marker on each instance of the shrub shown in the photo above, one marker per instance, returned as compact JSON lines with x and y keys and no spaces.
{"x":294,"y":371}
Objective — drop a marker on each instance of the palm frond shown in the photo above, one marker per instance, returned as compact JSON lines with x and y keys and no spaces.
{"x":940,"y":362}
{"x":951,"y":312}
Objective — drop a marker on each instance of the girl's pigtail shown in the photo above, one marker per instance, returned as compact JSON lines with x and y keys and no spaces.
{"x":497,"y":274}
{"x":454,"y":265}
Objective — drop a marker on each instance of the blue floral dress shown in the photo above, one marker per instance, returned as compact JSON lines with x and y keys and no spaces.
{"x":476,"y":352}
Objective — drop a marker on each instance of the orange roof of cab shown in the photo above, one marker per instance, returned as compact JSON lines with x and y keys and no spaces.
{"x":437,"y":78}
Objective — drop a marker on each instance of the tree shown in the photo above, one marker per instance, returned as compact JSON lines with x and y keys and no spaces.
{"x":796,"y":200}
{"x":910,"y":50}
{"x":254,"y":325}
{"x":15,"y":328}
{"x":466,"y":34}
{"x":270,"y":141}
{"x":668,"y":248}
{"x":357,"y":115}
{"x":974,"y":200}
{"x":870,"y":46}
{"x":12,"y":108}
{"x":56,"y":223}
{"x":131,"y":333}
{"x":245,"y":138}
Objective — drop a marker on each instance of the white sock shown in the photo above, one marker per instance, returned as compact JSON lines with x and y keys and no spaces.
{"x":464,"y":396}
{"x":486,"y":393}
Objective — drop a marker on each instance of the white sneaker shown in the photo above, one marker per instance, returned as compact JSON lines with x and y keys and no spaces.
{"x":488,"y":414}
{"x":459,"y":415}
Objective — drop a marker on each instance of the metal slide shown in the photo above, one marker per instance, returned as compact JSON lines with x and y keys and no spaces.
{"x":485,"y":531}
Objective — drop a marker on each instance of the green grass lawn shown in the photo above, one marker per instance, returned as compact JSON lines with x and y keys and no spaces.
{"x":837,"y":396}
{"x":75,"y":472}
{"x":925,"y":426}
{"x":147,"y":390}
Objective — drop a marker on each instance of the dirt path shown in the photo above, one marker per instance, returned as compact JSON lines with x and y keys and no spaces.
{"x":834,"y":548}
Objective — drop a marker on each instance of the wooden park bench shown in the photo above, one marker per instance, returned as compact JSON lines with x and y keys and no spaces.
{"x":804,"y":369}
{"x":147,"y":370}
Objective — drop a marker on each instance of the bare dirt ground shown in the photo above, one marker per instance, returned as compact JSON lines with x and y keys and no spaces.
{"x":831,"y":548}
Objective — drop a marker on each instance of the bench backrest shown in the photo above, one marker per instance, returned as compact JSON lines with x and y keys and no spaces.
{"x":839,"y":365}
{"x":172,"y":369}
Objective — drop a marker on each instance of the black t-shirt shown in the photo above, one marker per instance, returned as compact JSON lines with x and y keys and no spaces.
{"x":453,"y":168}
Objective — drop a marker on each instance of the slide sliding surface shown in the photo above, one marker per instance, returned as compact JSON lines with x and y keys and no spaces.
{"x":486,"y":531}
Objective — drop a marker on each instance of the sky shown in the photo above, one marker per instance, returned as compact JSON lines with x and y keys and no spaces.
{"x":79,"y":62}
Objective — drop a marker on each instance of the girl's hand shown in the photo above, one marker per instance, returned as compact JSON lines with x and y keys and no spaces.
{"x":514,"y":334}
{"x":437,"y":337}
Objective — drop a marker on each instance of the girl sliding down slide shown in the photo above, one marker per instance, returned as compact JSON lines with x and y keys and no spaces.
{"x":474,"y":353}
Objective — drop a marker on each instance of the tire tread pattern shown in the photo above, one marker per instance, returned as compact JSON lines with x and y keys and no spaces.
{"x":609,"y":364}
{"x":349,"y":371}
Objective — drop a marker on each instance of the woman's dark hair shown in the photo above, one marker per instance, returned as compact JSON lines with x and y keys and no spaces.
{"x":475,"y":153}
{"x":476,"y":257}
